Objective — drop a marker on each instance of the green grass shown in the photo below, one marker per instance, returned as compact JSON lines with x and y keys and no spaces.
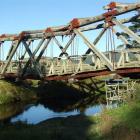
{"x":123,"y":122}
{"x":11,"y":92}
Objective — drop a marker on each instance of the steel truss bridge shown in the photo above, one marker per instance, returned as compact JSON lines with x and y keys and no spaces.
{"x":19,"y":58}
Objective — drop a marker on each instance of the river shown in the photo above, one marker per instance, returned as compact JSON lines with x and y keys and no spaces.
{"x":36,"y":112}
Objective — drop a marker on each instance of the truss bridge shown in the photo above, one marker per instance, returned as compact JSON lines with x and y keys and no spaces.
{"x":85,"y":47}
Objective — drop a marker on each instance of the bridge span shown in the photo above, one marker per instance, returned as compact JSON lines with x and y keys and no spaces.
{"x":72,"y":53}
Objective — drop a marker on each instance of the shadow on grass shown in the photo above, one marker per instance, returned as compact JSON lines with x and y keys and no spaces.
{"x":74,"y":91}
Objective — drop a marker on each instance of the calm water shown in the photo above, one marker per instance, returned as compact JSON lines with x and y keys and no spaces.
{"x":37,"y":112}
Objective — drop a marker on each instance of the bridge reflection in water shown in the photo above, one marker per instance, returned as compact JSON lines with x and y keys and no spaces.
{"x":37,"y":112}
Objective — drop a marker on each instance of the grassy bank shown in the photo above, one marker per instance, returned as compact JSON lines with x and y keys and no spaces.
{"x":122,"y":123}
{"x":26,"y":90}
{"x":10,"y":92}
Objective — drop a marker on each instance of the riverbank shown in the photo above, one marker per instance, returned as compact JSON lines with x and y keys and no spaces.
{"x":121,"y":123}
{"x":10,"y":93}
{"x":30,"y":89}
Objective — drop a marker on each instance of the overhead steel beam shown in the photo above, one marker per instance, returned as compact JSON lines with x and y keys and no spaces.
{"x":86,"y":21}
{"x":104,"y":25}
{"x":78,"y":22}
{"x":86,"y":28}
{"x":42,"y":34}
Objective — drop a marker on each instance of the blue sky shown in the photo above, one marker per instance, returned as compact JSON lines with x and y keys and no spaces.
{"x":17,"y":15}
{"x":20,"y":15}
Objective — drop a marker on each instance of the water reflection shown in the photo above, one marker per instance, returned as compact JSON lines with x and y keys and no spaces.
{"x":47,"y":109}
{"x":10,"y":110}
{"x":39,"y":113}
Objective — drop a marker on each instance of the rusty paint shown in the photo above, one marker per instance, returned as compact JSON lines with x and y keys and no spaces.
{"x":109,"y":21}
{"x":128,"y":70}
{"x":138,"y":5}
{"x":3,"y":36}
{"x":75,"y":23}
{"x":49,"y":30}
{"x":131,"y":72}
{"x":96,"y":73}
{"x":20,"y":36}
{"x":112,"y":5}
{"x":110,"y":13}
{"x":108,"y":17}
{"x":126,"y":7}
{"x":124,"y":72}
{"x":80,"y":75}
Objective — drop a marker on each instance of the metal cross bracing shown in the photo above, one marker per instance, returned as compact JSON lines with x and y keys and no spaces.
{"x":24,"y":60}
{"x":119,"y":90}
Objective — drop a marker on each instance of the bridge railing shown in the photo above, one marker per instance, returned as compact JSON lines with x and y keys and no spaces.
{"x":84,"y":63}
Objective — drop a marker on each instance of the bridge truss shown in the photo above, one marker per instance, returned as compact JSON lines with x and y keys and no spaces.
{"x":21,"y":59}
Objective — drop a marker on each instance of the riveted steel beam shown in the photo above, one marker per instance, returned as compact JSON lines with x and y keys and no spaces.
{"x":40,"y":35}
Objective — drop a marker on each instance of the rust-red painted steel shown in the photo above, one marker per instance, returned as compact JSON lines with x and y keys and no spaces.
{"x":131,"y":72}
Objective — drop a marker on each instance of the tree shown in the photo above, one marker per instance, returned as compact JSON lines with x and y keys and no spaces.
{"x":135,"y":27}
